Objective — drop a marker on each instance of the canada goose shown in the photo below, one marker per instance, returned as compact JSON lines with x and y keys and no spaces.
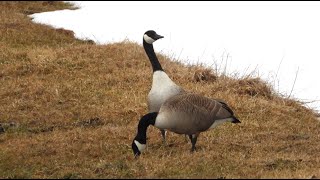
{"x":162,"y":86}
{"x":185,"y":113}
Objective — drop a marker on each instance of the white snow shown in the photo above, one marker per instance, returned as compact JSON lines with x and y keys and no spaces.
{"x":268,"y":37}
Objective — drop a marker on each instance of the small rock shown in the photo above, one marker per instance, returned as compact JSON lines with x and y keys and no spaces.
{"x":1,"y":129}
{"x":12,"y":124}
{"x":314,"y":177}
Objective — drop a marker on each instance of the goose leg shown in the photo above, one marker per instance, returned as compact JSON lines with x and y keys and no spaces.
{"x":186,"y":138}
{"x":163,"y":133}
{"x":193,"y":139}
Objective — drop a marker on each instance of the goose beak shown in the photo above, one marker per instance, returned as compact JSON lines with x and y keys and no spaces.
{"x":136,"y":156}
{"x":135,"y":149}
{"x":158,"y":36}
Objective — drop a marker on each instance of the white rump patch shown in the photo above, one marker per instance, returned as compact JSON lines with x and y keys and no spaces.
{"x":148,"y":39}
{"x":140,"y":146}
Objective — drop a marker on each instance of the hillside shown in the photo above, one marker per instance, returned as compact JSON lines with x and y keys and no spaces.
{"x":70,"y":109}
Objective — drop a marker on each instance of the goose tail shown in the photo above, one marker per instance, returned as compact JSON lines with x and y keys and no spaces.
{"x":235,"y":120}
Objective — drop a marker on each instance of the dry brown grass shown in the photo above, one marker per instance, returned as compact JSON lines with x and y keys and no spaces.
{"x":70,"y":109}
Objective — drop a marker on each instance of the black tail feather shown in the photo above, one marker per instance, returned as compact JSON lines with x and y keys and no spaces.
{"x":235,"y":120}
{"x":225,"y":106}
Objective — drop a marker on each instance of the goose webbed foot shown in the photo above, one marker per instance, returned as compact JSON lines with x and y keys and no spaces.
{"x":193,"y":149}
{"x":193,"y":139}
{"x":163,"y":133}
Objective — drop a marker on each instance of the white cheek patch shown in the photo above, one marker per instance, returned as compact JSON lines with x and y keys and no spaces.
{"x":140,"y":146}
{"x":148,"y":39}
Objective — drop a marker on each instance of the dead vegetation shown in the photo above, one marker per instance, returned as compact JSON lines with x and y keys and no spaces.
{"x":70,"y":108}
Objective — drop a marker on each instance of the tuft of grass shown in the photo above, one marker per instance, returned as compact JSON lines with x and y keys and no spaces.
{"x":70,"y":109}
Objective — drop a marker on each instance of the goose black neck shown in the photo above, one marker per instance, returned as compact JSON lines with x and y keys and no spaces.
{"x":145,"y":121}
{"x":156,"y":66}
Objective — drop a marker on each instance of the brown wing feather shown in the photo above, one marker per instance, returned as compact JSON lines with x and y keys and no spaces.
{"x":200,"y":105}
{"x":224,"y":105}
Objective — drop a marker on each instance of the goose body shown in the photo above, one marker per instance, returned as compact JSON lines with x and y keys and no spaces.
{"x":191,"y":114}
{"x":185,"y":113}
{"x":162,"y":86}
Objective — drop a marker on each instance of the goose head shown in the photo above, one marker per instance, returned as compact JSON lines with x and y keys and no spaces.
{"x":137,"y":147}
{"x":151,"y":36}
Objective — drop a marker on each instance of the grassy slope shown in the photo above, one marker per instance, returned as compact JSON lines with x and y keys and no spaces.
{"x":70,"y":110}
